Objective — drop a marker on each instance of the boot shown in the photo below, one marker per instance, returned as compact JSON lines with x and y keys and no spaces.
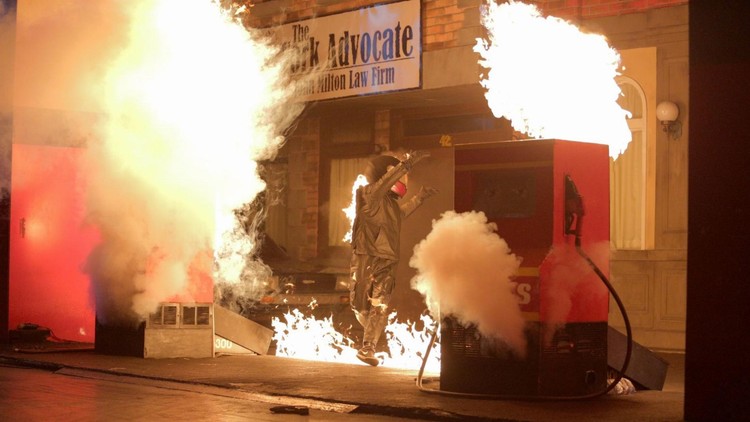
{"x":367,"y":354}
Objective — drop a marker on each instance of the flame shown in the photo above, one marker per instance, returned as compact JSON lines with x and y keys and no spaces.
{"x":550,"y":79}
{"x":351,"y":210}
{"x":301,"y":337}
{"x":407,"y":344}
{"x":308,"y":338}
{"x":189,"y":114}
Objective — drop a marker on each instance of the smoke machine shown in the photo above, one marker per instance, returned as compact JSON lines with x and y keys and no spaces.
{"x":535,"y":191}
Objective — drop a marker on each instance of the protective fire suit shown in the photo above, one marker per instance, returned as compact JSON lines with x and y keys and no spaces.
{"x":375,"y":242}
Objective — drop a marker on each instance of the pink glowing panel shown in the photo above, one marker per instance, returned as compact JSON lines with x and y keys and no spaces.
{"x":49,"y":242}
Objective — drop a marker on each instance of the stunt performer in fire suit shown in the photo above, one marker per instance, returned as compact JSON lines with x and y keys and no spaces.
{"x":375,"y":243}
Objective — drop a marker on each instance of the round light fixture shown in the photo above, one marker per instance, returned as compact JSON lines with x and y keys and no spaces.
{"x":667,"y":111}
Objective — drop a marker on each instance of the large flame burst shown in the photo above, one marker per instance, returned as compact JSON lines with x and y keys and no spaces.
{"x":550,"y":79}
{"x":192,"y":102}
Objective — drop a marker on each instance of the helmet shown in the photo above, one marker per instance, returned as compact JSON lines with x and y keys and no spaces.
{"x":377,"y":167}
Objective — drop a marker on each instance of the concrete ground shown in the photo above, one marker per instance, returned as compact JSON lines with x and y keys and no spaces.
{"x":358,"y":389}
{"x":30,"y":394}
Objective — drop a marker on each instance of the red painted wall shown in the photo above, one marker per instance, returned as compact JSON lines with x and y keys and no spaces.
{"x":49,"y":243}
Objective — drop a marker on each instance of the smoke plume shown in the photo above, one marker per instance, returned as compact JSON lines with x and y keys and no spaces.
{"x":464,"y":268}
{"x":191,"y":102}
{"x":571,"y":285}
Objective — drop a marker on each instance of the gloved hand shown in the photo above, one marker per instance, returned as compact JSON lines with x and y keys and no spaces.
{"x":411,"y":158}
{"x":426,"y":192}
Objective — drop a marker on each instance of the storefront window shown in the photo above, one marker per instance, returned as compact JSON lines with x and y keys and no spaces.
{"x":344,"y":172}
{"x":628,"y":176}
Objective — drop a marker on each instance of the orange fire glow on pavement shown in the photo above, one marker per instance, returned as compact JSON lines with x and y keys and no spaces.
{"x":301,"y":337}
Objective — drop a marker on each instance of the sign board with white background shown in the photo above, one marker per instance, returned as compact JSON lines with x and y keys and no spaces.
{"x":371,"y":50}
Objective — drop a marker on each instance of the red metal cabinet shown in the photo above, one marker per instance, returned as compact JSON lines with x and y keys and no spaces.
{"x":522,"y":187}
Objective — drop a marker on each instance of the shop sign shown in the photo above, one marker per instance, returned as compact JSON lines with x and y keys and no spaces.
{"x":371,"y":50}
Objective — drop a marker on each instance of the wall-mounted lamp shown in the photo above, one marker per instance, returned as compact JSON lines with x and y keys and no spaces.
{"x":667,"y":113}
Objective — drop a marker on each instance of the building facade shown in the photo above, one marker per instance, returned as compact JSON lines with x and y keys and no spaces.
{"x":334,"y":137}
{"x":309,"y":182}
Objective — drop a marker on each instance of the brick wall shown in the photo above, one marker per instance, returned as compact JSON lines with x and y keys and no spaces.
{"x":445,"y":23}
{"x":450,"y":23}
{"x":302,"y":205}
{"x":586,"y":9}
{"x":277,"y":12}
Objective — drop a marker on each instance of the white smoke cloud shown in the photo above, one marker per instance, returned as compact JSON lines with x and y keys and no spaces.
{"x":464,"y":268}
{"x":571,"y":284}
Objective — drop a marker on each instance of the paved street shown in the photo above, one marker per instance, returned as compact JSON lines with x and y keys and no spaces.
{"x":83,"y":385}
{"x":29,"y":394}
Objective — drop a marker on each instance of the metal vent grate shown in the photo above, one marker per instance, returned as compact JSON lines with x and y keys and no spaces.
{"x":155,"y":318}
{"x":169,"y":315}
{"x":462,"y":341}
{"x":589,"y":339}
{"x":188,"y":315}
{"x":196,"y":315}
{"x":177,"y":315}
{"x":203,"y":315}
